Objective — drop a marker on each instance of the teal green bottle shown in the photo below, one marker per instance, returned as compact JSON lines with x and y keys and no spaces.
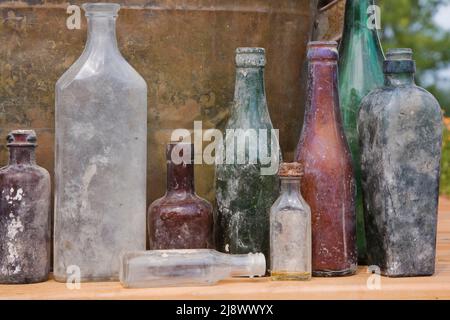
{"x":360,"y":71}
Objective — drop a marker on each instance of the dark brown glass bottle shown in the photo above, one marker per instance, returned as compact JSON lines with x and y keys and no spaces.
{"x":328,"y":184}
{"x":180,"y":219}
{"x":24,"y":213}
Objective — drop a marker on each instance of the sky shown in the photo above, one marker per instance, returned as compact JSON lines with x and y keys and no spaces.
{"x":443,"y":17}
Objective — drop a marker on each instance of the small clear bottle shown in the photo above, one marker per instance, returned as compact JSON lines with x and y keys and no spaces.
{"x":290,"y":228}
{"x":186,"y":267}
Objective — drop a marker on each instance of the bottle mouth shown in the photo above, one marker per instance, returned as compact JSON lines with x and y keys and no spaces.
{"x":21,"y":138}
{"x":258,"y":264}
{"x":399,"y":60}
{"x":248,"y":57}
{"x":323,"y":50}
{"x":101,"y":9}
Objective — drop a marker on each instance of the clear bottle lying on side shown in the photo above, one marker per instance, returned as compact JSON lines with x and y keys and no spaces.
{"x":187,"y":267}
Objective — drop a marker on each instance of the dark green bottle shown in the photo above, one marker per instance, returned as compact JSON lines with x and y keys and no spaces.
{"x":360,"y":71}
{"x":245,"y":190}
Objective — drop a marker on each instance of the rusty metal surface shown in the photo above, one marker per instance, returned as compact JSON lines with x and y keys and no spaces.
{"x":330,"y":21}
{"x":183,"y":49}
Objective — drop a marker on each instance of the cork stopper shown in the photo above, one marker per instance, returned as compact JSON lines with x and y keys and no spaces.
{"x":292,"y":169}
{"x":22,"y":138}
{"x":250,"y":57}
{"x":323,"y":51}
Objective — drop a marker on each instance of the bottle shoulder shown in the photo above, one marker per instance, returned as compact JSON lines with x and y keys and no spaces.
{"x":181,"y":203}
{"x":17,"y":172}
{"x":94,"y":70}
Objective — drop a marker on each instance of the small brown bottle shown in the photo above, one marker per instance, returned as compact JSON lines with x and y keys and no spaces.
{"x":24,"y":213}
{"x":328,"y":183}
{"x":180,"y":219}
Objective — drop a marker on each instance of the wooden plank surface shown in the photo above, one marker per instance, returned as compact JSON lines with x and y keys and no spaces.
{"x":355,"y":287}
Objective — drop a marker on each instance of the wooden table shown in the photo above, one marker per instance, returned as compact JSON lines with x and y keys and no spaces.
{"x":355,"y":287}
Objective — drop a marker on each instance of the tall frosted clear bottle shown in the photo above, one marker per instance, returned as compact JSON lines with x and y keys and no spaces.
{"x":360,"y":71}
{"x":100,"y":166}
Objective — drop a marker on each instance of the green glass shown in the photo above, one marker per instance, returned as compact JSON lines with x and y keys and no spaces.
{"x":360,"y":71}
{"x":243,"y":194}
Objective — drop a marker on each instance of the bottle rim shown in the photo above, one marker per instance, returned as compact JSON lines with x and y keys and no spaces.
{"x":101,"y":9}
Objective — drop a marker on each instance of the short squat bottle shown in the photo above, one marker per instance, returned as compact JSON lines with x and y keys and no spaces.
{"x":101,"y":156}
{"x":24,"y":213}
{"x":328,"y":183}
{"x":202,"y":267}
{"x":246,"y":181}
{"x":400,"y":129}
{"x":290,"y":228}
{"x":180,"y":219}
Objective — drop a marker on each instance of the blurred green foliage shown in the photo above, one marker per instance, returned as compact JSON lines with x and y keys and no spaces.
{"x":410,"y":24}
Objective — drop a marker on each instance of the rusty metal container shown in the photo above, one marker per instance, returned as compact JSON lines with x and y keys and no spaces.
{"x":183,"y":49}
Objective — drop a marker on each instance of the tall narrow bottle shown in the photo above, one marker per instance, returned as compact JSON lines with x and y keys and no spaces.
{"x":24,"y":213}
{"x":290,"y":228}
{"x":244,"y":190}
{"x":360,"y":71}
{"x":201,"y":267}
{"x":400,"y":129}
{"x":328,"y":183}
{"x":101,"y":149}
{"x":180,"y":219}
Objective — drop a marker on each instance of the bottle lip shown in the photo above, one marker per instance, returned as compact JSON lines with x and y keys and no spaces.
{"x":399,"y":60}
{"x":101,"y":9}
{"x":250,"y":57}
{"x":21,"y":138}
{"x":323,"y":50}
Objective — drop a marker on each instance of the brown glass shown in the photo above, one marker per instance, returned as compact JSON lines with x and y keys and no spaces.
{"x":328,"y":182}
{"x":180,"y":219}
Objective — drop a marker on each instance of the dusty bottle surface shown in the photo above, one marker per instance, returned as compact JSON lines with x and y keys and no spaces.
{"x":244,"y":190}
{"x":400,"y":129}
{"x":100,"y":168}
{"x":24,"y":213}
{"x":180,"y":219}
{"x":201,"y":267}
{"x":328,"y":183}
{"x":360,"y":71}
{"x":290,"y":228}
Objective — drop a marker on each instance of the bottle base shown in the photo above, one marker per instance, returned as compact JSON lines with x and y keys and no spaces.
{"x":290,"y":276}
{"x":331,"y":273}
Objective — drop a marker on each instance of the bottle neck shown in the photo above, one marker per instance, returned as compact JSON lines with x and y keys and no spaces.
{"x":246,"y":265}
{"x":249,"y":92}
{"x":180,"y":178}
{"x":399,"y":79}
{"x":102,"y":35}
{"x":22,"y":155}
{"x":290,"y":186}
{"x":359,"y":31}
{"x":323,"y":98}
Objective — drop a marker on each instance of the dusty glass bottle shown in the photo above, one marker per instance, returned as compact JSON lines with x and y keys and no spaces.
{"x":101,"y":150}
{"x":290,"y":228}
{"x":360,"y":71}
{"x":328,"y":184}
{"x":201,"y":267}
{"x":24,"y":213}
{"x":180,"y":219}
{"x":400,"y":129}
{"x":244,"y":190}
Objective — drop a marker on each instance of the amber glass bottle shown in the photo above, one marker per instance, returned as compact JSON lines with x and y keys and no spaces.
{"x":328,"y":184}
{"x":180,"y":219}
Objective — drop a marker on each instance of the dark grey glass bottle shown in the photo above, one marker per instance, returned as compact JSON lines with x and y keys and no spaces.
{"x":400,"y":127}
